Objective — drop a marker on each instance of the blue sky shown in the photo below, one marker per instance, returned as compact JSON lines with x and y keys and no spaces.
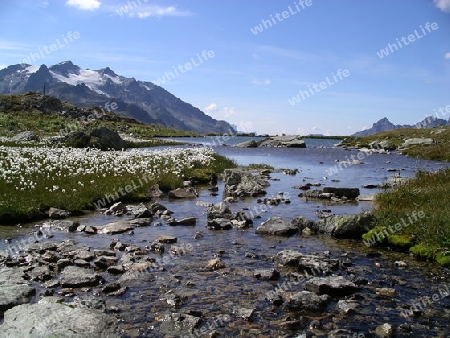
{"x":252,"y":79}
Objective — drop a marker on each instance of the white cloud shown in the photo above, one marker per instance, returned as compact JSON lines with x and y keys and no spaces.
{"x":142,"y":11}
{"x":89,"y":5}
{"x":443,"y":5}
{"x":210,"y":108}
{"x":447,"y":56}
{"x":264,"y":82}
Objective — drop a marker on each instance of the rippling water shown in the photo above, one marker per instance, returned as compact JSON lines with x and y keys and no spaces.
{"x":223,"y":291}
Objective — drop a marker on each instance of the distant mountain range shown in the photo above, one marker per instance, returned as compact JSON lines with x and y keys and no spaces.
{"x":384,"y":125}
{"x":143,"y":101}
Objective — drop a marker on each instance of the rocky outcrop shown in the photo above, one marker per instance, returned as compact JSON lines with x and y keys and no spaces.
{"x":239,"y":183}
{"x":181,"y":193}
{"x":101,"y":138}
{"x":25,"y":136}
{"x":344,"y":226}
{"x":50,"y":319}
{"x":247,"y":144}
{"x":284,"y":142}
{"x":417,"y":141}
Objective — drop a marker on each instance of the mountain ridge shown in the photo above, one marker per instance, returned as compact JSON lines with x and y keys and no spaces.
{"x":141,"y":100}
{"x":385,"y":125}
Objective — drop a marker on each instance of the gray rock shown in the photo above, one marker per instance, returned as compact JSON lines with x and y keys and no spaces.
{"x":183,"y":193}
{"x":15,"y":294}
{"x":49,"y":319}
{"x":247,"y":144}
{"x":219,"y":224}
{"x":245,"y":184}
{"x":284,"y":142}
{"x":154,"y":192}
{"x":384,"y":331}
{"x":308,"y":263}
{"x":277,"y":226}
{"x":232,"y":176}
{"x":344,"y":226}
{"x":307,"y":301}
{"x":417,"y":141}
{"x":266,"y":274}
{"x":106,"y":139}
{"x":331,"y":285}
{"x":219,"y":210}
{"x":117,"y":207}
{"x":347,"y":306}
{"x":189,"y":221}
{"x":10,"y":276}
{"x":76,"y":277}
{"x":25,"y":136}
{"x":116,"y":228}
{"x":350,"y":193}
{"x":302,"y":223}
{"x":56,"y":213}
{"x":383,"y":145}
{"x":180,"y":322}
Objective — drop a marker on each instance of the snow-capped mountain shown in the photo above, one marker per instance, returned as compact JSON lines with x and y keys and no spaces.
{"x":141,"y":100}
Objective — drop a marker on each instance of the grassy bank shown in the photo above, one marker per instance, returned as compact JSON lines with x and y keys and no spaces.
{"x":416,"y":217}
{"x":439,"y":150}
{"x":34,"y":179}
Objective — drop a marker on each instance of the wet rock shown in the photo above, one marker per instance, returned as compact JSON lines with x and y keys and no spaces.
{"x":266,"y":274}
{"x":302,"y":223}
{"x":307,"y":301}
{"x":215,"y":264}
{"x":219,"y":224}
{"x":239,"y":183}
{"x":387,"y":292}
{"x":347,"y":306}
{"x":332,"y":285}
{"x":157,"y":247}
{"x":15,"y":294}
{"x":244,"y":313}
{"x":400,"y":264}
{"x":41,"y":273}
{"x":65,"y":225}
{"x":309,"y":263}
{"x":166,"y":239}
{"x":182,"y":193}
{"x":104,"y":262}
{"x":84,"y":254}
{"x":118,"y":207}
{"x":189,"y":221}
{"x":384,"y":145}
{"x":142,"y":212}
{"x":116,"y":228}
{"x":111,"y":287}
{"x":55,"y":213}
{"x":157,"y":208}
{"x":344,"y":226}
{"x":49,"y":319}
{"x":350,"y":193}
{"x":219,"y":210}
{"x":77,"y":277}
{"x":180,"y":322}
{"x":384,"y":331}
{"x":277,"y":226}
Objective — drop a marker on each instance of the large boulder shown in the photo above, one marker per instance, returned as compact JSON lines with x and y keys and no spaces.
{"x":219,"y":210}
{"x":308,"y":263}
{"x":116,"y":228}
{"x":344,"y":226}
{"x":106,"y":139}
{"x":181,"y":193}
{"x":15,"y":294}
{"x":77,"y":277}
{"x":240,"y":183}
{"x":48,"y":319}
{"x":292,"y":141}
{"x":417,"y":141}
{"x":277,"y":226}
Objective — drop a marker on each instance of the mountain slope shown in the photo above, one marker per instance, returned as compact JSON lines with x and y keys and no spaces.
{"x":143,"y":101}
{"x":385,"y":125}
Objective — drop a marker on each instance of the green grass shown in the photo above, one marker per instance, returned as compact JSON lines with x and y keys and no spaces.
{"x":427,"y":237}
{"x":439,"y":151}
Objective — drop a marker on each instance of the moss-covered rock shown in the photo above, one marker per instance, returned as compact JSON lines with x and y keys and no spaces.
{"x":403,"y":242}
{"x":443,"y":258}
{"x":423,"y":251}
